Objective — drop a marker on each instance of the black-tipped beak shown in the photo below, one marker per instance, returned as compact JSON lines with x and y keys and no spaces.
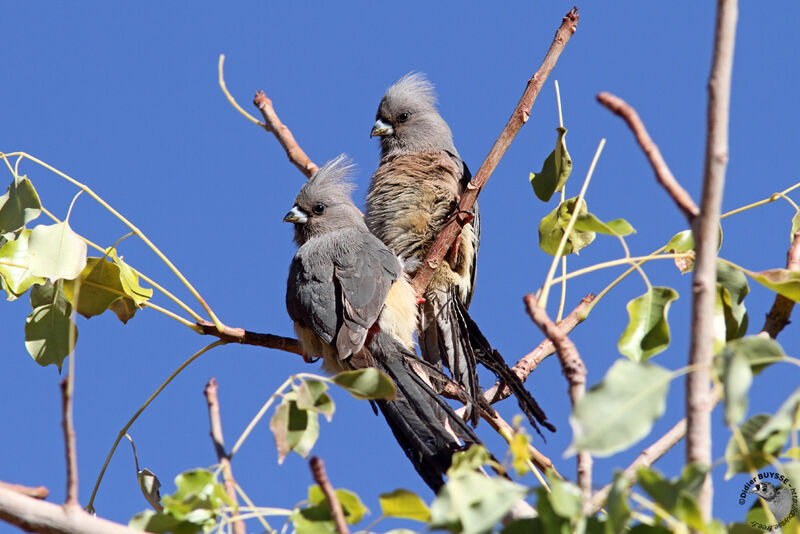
{"x":381,"y":128}
{"x":296,"y":216}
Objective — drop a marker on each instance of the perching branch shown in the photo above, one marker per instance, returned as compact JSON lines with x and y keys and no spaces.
{"x":33,"y":515}
{"x":664,"y":176}
{"x":215,"y":421}
{"x":245,"y":337}
{"x":321,"y":478}
{"x":575,"y":372}
{"x":701,"y":352}
{"x":778,"y":316}
{"x":519,"y":117}
{"x":284,"y":135}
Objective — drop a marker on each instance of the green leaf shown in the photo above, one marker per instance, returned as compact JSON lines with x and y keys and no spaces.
{"x":48,"y":326}
{"x":620,"y":410}
{"x":784,"y":420}
{"x":100,"y":286}
{"x":15,"y":270}
{"x":524,"y":526}
{"x":404,"y":504}
{"x":565,"y":498}
{"x":19,"y":205}
{"x":677,"y":496}
{"x":647,"y":332}
{"x":736,"y":379}
{"x":354,"y":510}
{"x":130,"y":280}
{"x":311,"y":395}
{"x":150,"y":521}
{"x":473,"y":503}
{"x":758,"y":450}
{"x":551,"y":521}
{"x":555,"y":171}
{"x":682,"y":242}
{"x":294,"y":429}
{"x":589,"y":223}
{"x":56,"y":252}
{"x":468,"y":461}
{"x":732,"y":288}
{"x":758,"y":351}
{"x":552,"y":227}
{"x":619,"y":512}
{"x":366,"y":384}
{"x":782,"y":281}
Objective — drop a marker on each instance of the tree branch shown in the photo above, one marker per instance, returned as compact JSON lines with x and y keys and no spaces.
{"x":215,"y":421}
{"x":698,"y":392}
{"x":575,"y":372}
{"x":778,"y":316}
{"x":69,"y":443}
{"x":33,"y":515}
{"x":520,"y":116}
{"x":321,"y":478}
{"x":245,"y":337}
{"x":39,"y":492}
{"x":664,"y":176}
{"x":284,"y":135}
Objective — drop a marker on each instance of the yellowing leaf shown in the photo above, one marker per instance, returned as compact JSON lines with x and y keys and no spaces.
{"x":15,"y":270}
{"x":56,"y":252}
{"x":404,"y":504}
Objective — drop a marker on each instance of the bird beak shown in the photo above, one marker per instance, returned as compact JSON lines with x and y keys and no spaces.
{"x":296,"y":216}
{"x":381,"y":129}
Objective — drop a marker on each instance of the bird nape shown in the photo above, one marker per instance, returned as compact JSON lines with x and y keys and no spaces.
{"x":412,"y":196}
{"x":353,"y":307}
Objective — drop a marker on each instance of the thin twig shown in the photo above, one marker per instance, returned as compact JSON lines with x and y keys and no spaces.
{"x":574,"y":370}
{"x":39,"y":492}
{"x":542,"y":462}
{"x":69,"y":443}
{"x":245,"y":337}
{"x":778,"y":316}
{"x":664,"y":176}
{"x":519,"y":117}
{"x":701,"y":352}
{"x":215,"y":421}
{"x":284,"y":135}
{"x":321,"y":478}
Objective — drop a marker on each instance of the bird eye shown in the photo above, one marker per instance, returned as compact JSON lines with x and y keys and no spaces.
{"x":318,"y":209}
{"x":403,"y":117}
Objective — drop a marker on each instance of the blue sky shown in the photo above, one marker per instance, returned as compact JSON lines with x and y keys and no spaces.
{"x":125,"y":99}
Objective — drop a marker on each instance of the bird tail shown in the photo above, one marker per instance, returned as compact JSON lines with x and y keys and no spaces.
{"x":425,"y":426}
{"x":458,"y":338}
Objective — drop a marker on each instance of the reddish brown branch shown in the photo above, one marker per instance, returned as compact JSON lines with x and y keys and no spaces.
{"x":215,"y":421}
{"x":39,"y":492}
{"x":69,"y":444}
{"x":321,"y":478}
{"x":664,"y":176}
{"x":284,"y":135}
{"x":33,"y":515}
{"x":701,"y":351}
{"x":519,"y":117}
{"x":245,"y":337}
{"x":778,"y":316}
{"x":575,"y":372}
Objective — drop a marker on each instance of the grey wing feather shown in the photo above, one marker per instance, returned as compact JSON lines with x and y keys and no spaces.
{"x":311,"y":298}
{"x":466,"y":177}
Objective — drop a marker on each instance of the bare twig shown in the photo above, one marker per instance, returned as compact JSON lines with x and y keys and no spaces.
{"x":575,"y":372}
{"x":664,"y":176}
{"x":215,"y":421}
{"x":245,"y":337}
{"x":778,"y":316}
{"x":525,"y":366}
{"x":39,"y":492}
{"x":33,"y":515}
{"x":701,"y":352}
{"x":519,"y":117}
{"x":284,"y":135}
{"x":321,"y":478}
{"x":69,"y":443}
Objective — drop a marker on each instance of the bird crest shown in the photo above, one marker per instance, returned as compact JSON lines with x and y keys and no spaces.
{"x":332,"y":181}
{"x":413,"y":86}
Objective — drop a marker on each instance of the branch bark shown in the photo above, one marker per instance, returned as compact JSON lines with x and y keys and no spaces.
{"x":33,"y":515}
{"x":701,"y":352}
{"x":39,"y":492}
{"x":575,"y":372}
{"x":519,"y":117}
{"x":69,"y":443}
{"x":215,"y":421}
{"x":321,"y":478}
{"x":284,"y":135}
{"x":778,"y":316}
{"x":664,"y":176}
{"x":245,"y":337}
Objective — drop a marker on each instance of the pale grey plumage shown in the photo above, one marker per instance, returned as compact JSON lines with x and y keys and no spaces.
{"x":779,"y":501}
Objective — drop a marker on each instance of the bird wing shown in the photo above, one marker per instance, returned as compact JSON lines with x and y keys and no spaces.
{"x":311,"y":295}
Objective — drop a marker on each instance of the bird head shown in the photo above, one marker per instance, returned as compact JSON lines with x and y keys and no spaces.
{"x":323,"y":204}
{"x":765,"y":490}
{"x":407,"y":120}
